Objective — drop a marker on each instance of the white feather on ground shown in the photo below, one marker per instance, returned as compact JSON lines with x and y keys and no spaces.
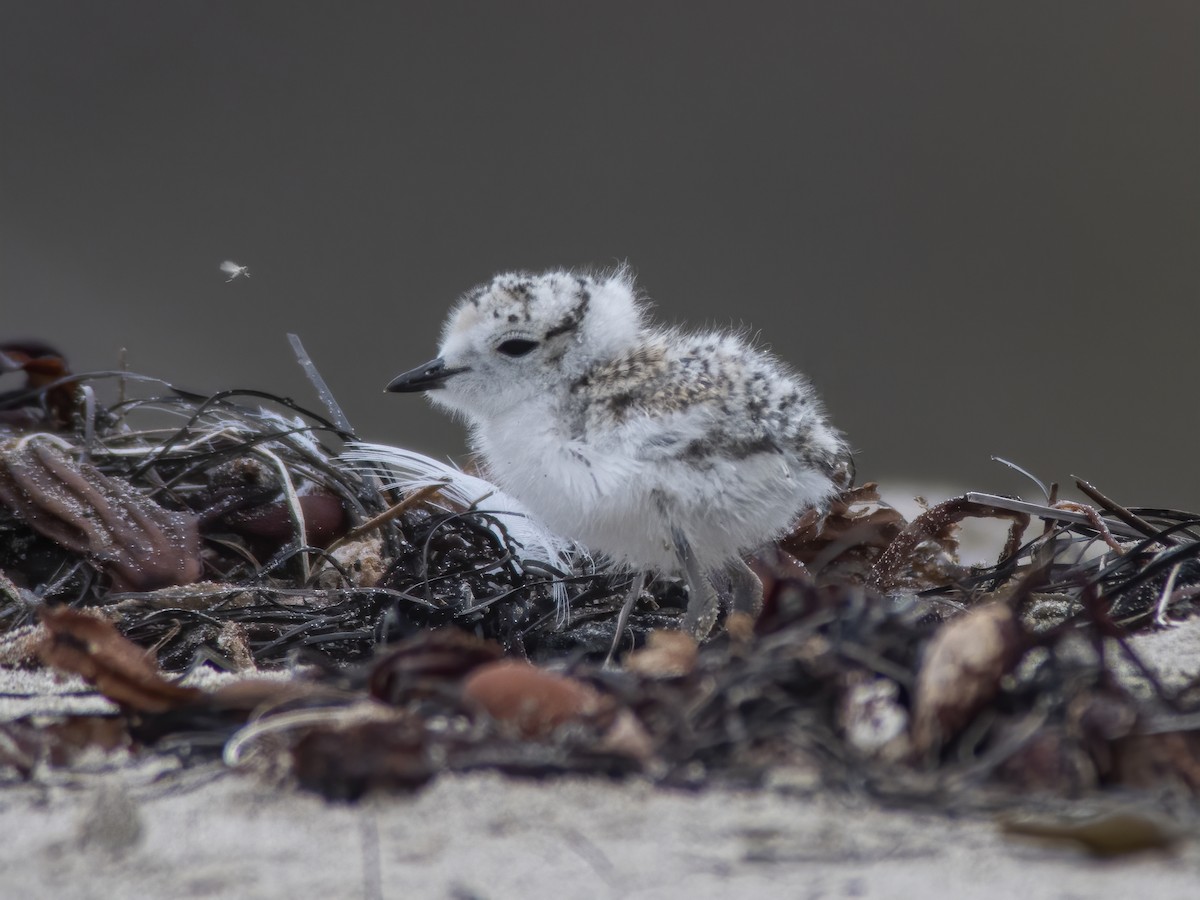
{"x":409,"y":471}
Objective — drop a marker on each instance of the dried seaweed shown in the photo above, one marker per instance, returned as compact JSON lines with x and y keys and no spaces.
{"x":435,"y":641}
{"x":249,"y":481}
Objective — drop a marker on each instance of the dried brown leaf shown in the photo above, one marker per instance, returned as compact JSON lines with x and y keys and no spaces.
{"x":123,"y":532}
{"x":43,"y":365}
{"x":916,"y":557}
{"x":121,"y":670}
{"x":344,"y":763}
{"x":324,"y":520}
{"x":627,"y":736}
{"x":667,"y":654}
{"x":1114,"y":834}
{"x":427,"y":659}
{"x":961,"y":672}
{"x":844,"y":544}
{"x":1151,"y":760}
{"x":249,"y":694}
{"x":531,"y":700}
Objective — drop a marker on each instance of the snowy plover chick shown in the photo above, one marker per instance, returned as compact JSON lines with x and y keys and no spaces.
{"x":661,"y":450}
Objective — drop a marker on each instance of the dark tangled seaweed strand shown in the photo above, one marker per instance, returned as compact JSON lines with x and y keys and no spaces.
{"x":275,"y":624}
{"x":463,"y":565}
{"x":219,"y":459}
{"x":223,"y":467}
{"x":981,"y":690}
{"x":192,"y":467}
{"x":471,"y":573}
{"x":1155,"y":575}
{"x":744,"y":712}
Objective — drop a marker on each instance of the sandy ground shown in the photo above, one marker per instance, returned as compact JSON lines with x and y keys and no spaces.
{"x":117,"y":827}
{"x":221,"y":835}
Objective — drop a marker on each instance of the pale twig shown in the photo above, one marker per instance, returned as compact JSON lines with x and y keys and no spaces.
{"x":1096,"y":522}
{"x":294,"y":507}
{"x":413,"y":499}
{"x":1144,"y":528}
{"x":341,"y":716}
{"x":331,"y":405}
{"x":1164,"y":599}
{"x":1042,"y":511}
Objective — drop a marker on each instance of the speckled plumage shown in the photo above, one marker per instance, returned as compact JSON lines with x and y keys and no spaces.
{"x":660,"y":449}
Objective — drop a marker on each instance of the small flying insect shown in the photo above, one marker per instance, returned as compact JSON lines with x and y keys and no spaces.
{"x":233,"y":270}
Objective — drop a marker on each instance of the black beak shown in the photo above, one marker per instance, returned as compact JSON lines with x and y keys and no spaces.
{"x":428,"y":377}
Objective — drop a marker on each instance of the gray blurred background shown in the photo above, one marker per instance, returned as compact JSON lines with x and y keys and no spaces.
{"x":976,"y":226}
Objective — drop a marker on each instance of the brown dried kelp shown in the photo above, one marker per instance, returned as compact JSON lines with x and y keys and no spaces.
{"x":48,"y":397}
{"x":136,"y":542}
{"x":250,"y":501}
{"x":123,"y":672}
{"x":879,"y":660}
{"x":735,"y":712}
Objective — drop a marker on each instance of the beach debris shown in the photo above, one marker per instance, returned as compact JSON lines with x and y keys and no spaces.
{"x":873,"y":718}
{"x":667,"y":654}
{"x":1113,"y":834}
{"x":425,"y":663}
{"x":847,"y":541}
{"x":531,"y":700}
{"x":924,"y":552}
{"x":49,"y":397}
{"x":124,"y":533}
{"x":391,"y":618}
{"x":125,"y":673}
{"x":961,"y":672}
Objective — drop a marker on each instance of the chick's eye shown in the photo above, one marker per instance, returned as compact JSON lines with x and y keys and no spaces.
{"x":516,"y":346}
